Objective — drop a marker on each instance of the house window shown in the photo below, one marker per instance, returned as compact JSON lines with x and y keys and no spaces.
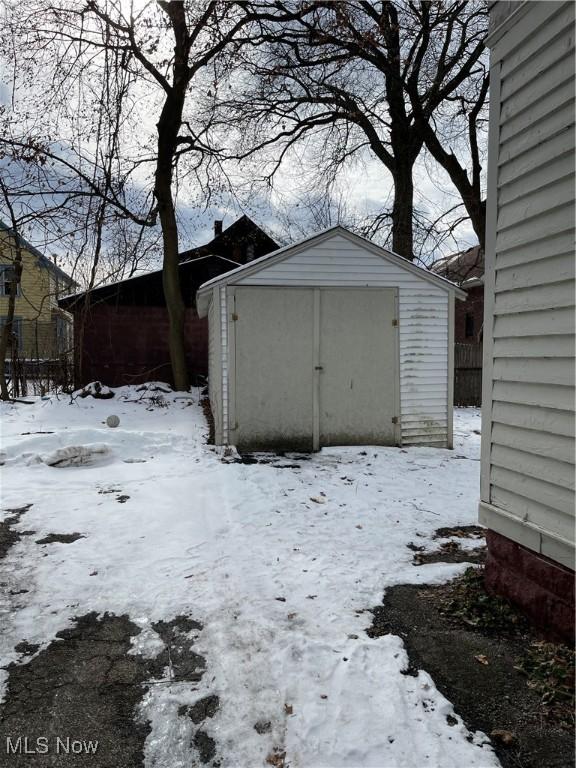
{"x":7,"y":276}
{"x":250,"y":252}
{"x":469,"y":325}
{"x":15,"y":342}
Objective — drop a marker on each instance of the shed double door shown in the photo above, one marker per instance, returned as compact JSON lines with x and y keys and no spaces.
{"x":313,"y":367}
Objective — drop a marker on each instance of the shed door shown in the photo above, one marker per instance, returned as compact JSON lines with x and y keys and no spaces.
{"x":271,"y":397}
{"x":312,"y":367}
{"x":358,"y":381}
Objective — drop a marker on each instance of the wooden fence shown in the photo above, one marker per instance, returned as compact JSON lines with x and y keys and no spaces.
{"x":468,"y":374}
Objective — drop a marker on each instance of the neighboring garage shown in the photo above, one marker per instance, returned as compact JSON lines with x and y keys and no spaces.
{"x":331,"y":341}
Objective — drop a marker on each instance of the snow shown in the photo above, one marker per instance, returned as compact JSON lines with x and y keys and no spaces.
{"x":279,"y":564}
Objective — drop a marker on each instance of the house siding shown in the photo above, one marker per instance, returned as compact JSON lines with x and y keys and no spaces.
{"x":36,"y":302}
{"x":423,"y":325}
{"x":528,"y":451}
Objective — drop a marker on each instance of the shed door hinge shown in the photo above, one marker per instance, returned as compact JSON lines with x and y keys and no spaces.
{"x":395,"y":322}
{"x":234,"y":316}
{"x":395,"y":419}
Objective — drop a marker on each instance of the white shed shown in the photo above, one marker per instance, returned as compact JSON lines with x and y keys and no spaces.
{"x":330,"y":341}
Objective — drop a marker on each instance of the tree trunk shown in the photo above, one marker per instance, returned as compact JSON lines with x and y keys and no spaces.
{"x":168,"y":127}
{"x":470,"y":194}
{"x":402,"y":213}
{"x":171,"y":283}
{"x":7,"y":328}
{"x":476,"y":210}
{"x":470,"y":191}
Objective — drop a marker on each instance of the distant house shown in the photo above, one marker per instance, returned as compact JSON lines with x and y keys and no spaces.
{"x":466,"y":269}
{"x":330,"y":341}
{"x":41,"y":330}
{"x":527,"y":466}
{"x":121,"y":330}
{"x":241,"y":242}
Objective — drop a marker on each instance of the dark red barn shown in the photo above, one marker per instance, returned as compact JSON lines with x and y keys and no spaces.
{"x":121,"y":330}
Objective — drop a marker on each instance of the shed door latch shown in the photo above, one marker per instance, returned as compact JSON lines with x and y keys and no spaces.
{"x":394,"y":419}
{"x":234,"y":316}
{"x":395,"y":322}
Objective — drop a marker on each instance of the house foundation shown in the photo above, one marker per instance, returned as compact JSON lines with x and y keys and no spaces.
{"x":540,"y":587}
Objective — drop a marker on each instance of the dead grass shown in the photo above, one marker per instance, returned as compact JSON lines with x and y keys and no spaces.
{"x":548,"y":667}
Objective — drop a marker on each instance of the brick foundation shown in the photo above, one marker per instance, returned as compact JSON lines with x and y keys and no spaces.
{"x":540,"y":587}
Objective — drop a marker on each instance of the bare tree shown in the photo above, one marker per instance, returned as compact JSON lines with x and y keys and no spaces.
{"x":389,"y":78}
{"x":13,"y":250}
{"x":149,"y":58}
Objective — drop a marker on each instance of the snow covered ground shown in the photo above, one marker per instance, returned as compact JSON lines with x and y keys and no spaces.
{"x":278,"y":563}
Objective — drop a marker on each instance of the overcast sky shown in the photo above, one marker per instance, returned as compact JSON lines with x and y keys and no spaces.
{"x":362,"y":191}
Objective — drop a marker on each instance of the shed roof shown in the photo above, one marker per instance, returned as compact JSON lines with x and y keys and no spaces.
{"x":231,"y":277}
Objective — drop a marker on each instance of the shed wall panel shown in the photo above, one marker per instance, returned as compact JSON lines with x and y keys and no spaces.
{"x":223,"y":346}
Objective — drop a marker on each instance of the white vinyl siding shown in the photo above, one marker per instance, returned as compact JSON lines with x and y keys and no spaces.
{"x":528,"y":455}
{"x":423,"y":324}
{"x":223,"y":347}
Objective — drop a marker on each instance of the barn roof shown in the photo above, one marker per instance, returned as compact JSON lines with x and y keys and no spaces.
{"x":203,"y":295}
{"x":147,"y":290}
{"x":227,"y":249}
